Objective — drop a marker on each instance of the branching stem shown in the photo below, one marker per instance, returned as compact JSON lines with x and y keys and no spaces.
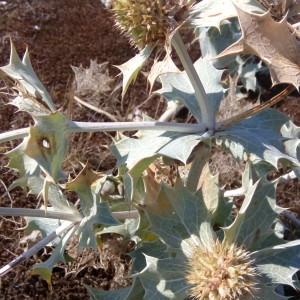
{"x":132,"y":126}
{"x":39,"y":213}
{"x":207,"y":115}
{"x":13,"y":134}
{"x":75,"y":127}
{"x":173,"y":108}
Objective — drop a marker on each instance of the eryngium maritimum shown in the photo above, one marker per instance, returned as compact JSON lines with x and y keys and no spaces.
{"x":222,"y":273}
{"x":147,"y":22}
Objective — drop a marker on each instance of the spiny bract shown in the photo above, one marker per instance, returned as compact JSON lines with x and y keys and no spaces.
{"x":147,"y":22}
{"x":221,"y":273}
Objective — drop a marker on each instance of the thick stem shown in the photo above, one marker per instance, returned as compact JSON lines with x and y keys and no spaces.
{"x":122,"y":215}
{"x":13,"y":135}
{"x":132,"y":126}
{"x":208,"y":117}
{"x":235,"y":193}
{"x":38,"y":213}
{"x":74,"y":126}
{"x":173,"y":108}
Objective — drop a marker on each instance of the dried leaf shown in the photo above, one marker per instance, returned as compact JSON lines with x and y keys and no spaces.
{"x":84,"y":185}
{"x":273,"y":42}
{"x":93,"y":81}
{"x":132,"y":67}
{"x":47,"y":143}
{"x":161,"y":67}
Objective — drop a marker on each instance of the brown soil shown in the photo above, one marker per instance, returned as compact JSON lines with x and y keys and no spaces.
{"x":61,"y":34}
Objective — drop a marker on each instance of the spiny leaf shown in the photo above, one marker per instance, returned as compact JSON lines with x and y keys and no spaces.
{"x":56,"y":197}
{"x":45,"y":268}
{"x":154,"y":248}
{"x":23,"y":73}
{"x":193,"y":213}
{"x":24,"y":164}
{"x":30,"y":105}
{"x":96,"y":213}
{"x":47,"y":143}
{"x":217,"y":206}
{"x":44,"y":225}
{"x":131,"y":68}
{"x":137,"y":154}
{"x":291,"y":134}
{"x":180,"y":217}
{"x":128,"y":229}
{"x":214,"y":40}
{"x":166,"y":65}
{"x":273,"y":42}
{"x":99,"y":214}
{"x":177,"y":86}
{"x":260,"y":137}
{"x":280,"y":262}
{"x":165,"y":223}
{"x":85,"y":185}
{"x":269,"y":293}
{"x":43,"y":149}
{"x":209,"y":13}
{"x":255,"y":218}
{"x":164,"y":279}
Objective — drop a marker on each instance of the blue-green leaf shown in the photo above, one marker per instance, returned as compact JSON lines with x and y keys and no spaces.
{"x":164,"y":279}
{"x":23,"y":73}
{"x":253,"y":223}
{"x":176,"y":86}
{"x":45,"y":268}
{"x":209,"y":13}
{"x":259,"y":137}
{"x":279,"y":263}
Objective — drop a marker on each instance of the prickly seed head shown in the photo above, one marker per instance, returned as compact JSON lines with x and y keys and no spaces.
{"x":221,"y":273}
{"x":148,"y":22}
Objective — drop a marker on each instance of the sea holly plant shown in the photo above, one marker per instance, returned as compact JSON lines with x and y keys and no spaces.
{"x":191,"y":238}
{"x":232,"y":262}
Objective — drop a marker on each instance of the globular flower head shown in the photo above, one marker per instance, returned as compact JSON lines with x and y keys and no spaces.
{"x":148,"y":22}
{"x":223,"y":272}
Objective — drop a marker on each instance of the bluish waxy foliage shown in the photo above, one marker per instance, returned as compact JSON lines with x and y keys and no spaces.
{"x":182,"y":219}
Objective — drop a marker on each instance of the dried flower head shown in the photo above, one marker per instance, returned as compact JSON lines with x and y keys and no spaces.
{"x":149,"y":21}
{"x":221,"y":273}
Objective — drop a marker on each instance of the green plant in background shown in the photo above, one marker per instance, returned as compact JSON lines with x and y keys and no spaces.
{"x":190,"y":238}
